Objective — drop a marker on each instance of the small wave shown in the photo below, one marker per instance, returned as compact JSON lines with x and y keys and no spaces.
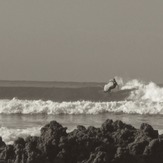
{"x":16,"y":106}
{"x":10,"y":134}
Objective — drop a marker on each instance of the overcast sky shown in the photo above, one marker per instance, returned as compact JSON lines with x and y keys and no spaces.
{"x":81,"y":40}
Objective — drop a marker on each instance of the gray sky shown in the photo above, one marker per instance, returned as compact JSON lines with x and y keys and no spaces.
{"x":81,"y":40}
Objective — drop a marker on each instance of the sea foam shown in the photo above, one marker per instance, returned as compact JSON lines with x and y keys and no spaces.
{"x":11,"y":134}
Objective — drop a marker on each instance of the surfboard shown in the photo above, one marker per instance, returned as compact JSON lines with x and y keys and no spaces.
{"x":108,"y":87}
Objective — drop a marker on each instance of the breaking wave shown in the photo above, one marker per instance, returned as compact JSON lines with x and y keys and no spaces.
{"x":149,"y":92}
{"x":144,"y":98}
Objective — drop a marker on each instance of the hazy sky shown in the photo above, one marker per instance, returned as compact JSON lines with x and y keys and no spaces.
{"x":81,"y":40}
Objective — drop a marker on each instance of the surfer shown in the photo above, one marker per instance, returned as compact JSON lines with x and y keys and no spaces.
{"x":111,"y":85}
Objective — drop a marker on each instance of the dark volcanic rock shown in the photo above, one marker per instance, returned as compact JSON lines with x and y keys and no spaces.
{"x":149,"y":130}
{"x":2,"y":145}
{"x":113,"y":142}
{"x":50,"y":136}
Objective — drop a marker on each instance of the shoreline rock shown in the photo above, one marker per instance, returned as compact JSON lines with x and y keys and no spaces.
{"x":113,"y":142}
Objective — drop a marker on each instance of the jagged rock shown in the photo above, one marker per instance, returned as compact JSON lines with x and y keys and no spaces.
{"x":113,"y":142}
{"x":81,"y":128}
{"x":123,"y":136}
{"x":160,"y":136}
{"x":9,"y":153}
{"x":107,"y":126}
{"x":122,"y":156}
{"x":2,"y":145}
{"x":52,"y":131}
{"x":50,"y":136}
{"x":137,"y":148}
{"x":120,"y":125}
{"x":149,"y":130}
{"x":97,"y":157}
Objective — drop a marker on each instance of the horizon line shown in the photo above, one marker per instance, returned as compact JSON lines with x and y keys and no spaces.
{"x":43,"y":81}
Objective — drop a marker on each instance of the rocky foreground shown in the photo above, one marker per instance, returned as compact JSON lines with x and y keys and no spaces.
{"x":113,"y":142}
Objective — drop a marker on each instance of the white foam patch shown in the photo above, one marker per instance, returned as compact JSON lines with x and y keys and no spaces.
{"x":160,"y":132}
{"x":9,"y":135}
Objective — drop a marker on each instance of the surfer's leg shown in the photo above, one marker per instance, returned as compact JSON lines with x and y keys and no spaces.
{"x":109,"y":91}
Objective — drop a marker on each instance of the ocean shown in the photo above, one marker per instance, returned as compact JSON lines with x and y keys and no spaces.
{"x":27,"y":106}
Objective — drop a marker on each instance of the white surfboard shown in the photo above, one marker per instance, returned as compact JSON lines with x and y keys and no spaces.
{"x":108,"y":86}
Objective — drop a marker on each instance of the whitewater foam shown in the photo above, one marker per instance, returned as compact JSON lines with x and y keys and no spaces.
{"x":149,"y":92}
{"x":10,"y":134}
{"x":16,"y":106}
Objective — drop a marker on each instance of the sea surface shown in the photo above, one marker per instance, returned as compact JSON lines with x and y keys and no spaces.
{"x":27,"y":106}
